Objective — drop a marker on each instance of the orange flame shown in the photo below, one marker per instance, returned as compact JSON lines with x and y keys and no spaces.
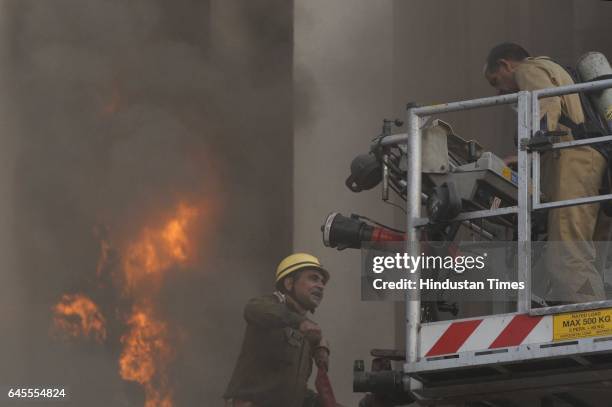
{"x":146,"y":352}
{"x":147,"y":347}
{"x":159,"y":249}
{"x":77,"y":315}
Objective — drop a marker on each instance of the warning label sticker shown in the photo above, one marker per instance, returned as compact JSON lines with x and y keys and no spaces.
{"x":582,"y":324}
{"x":510,"y":175}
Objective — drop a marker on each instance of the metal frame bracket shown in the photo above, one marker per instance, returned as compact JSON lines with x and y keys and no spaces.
{"x":541,"y":141}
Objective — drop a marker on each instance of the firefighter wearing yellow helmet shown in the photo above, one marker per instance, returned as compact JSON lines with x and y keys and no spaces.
{"x":281,"y":342}
{"x":298,"y":262}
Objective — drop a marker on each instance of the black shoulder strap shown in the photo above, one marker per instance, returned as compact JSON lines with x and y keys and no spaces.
{"x":590,"y":116}
{"x":567,"y":122}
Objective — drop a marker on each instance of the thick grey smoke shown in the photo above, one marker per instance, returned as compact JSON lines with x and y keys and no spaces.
{"x":119,"y":110}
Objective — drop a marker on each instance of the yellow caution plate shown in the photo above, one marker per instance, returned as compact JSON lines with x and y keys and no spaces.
{"x":582,"y":324}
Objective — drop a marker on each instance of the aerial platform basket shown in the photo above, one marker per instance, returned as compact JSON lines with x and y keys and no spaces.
{"x":539,"y":354}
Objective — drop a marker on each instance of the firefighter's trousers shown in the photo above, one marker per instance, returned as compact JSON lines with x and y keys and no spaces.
{"x":570,"y":263}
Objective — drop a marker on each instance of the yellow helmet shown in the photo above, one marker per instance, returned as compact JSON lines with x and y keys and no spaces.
{"x":299,"y":261}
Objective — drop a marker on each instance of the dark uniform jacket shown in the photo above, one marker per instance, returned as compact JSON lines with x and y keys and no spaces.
{"x":275,"y":361}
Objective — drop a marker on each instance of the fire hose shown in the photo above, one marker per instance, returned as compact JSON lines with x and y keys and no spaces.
{"x":324,"y":388}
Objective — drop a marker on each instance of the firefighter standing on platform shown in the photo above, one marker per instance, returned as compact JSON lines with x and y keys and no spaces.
{"x":566,"y":174}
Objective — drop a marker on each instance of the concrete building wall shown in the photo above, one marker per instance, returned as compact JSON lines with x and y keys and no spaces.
{"x":440,"y":48}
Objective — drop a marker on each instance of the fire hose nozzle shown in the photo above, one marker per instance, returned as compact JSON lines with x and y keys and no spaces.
{"x":343,"y":232}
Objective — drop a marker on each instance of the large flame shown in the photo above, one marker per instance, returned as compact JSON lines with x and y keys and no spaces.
{"x":76,"y":315}
{"x":146,"y":353}
{"x":159,"y":249}
{"x":147,"y":349}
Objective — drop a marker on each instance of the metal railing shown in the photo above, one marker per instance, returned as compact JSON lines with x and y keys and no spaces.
{"x":528,"y":123}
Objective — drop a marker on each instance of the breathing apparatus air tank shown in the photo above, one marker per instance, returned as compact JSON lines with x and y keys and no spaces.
{"x":594,"y":66}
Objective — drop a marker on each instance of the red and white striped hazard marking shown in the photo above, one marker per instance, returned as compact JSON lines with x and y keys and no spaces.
{"x":487,"y":333}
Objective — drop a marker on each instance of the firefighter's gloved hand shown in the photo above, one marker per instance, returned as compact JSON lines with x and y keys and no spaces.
{"x":311,"y":331}
{"x":321,"y":357}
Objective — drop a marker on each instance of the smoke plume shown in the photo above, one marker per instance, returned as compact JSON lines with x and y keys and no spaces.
{"x":119,"y":111}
